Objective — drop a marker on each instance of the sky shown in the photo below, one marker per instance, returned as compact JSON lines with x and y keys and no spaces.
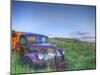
{"x":54,"y":20}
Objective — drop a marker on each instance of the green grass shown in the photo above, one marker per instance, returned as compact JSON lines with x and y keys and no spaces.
{"x":78,"y":56}
{"x":17,"y":67}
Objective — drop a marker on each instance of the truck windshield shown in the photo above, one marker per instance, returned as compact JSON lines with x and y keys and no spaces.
{"x":43,"y":40}
{"x":35,"y":39}
{"x":31,"y":39}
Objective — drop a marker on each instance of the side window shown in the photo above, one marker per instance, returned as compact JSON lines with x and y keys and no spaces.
{"x":22,"y":40}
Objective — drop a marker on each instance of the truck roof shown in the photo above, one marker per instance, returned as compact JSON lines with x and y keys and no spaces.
{"x":30,"y":34}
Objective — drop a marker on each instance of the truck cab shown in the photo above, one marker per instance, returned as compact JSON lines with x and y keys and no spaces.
{"x":36,"y":51}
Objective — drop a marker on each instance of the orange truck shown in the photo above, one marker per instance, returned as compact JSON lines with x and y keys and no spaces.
{"x":15,"y":40}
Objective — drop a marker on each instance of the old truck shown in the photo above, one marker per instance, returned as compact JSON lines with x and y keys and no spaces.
{"x":34,"y":50}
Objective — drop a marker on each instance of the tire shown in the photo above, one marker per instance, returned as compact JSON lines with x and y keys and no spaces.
{"x":28,"y":61}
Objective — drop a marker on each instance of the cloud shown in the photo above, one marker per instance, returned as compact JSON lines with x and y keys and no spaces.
{"x":84,"y":36}
{"x":80,"y":33}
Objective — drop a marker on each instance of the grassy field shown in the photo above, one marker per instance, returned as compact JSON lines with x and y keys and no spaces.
{"x":20,"y":68}
{"x":78,"y":55}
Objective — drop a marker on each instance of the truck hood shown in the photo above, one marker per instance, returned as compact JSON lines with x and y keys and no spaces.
{"x":42,"y":45}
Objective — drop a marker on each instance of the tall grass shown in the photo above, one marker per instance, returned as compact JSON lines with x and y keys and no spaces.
{"x":78,"y":56}
{"x":17,"y":67}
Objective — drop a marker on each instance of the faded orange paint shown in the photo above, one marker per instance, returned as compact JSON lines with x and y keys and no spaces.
{"x":15,"y":40}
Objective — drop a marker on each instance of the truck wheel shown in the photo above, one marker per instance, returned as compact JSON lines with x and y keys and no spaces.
{"x":28,"y":62}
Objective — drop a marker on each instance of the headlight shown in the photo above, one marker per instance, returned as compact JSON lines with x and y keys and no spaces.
{"x":40,"y":56}
{"x":63,"y":52}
